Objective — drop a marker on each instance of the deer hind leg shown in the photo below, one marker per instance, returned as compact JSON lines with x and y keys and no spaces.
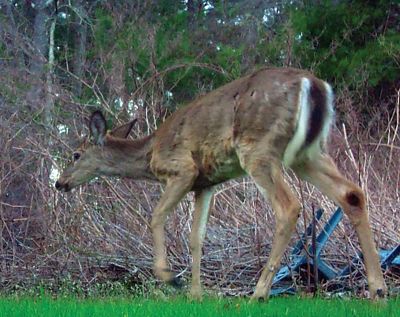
{"x":323,"y":173}
{"x":175,"y":190}
{"x":200,"y":216}
{"x":286,"y":206}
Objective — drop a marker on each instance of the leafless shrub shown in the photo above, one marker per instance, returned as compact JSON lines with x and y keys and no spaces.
{"x":87,"y":234}
{"x":46,"y":235}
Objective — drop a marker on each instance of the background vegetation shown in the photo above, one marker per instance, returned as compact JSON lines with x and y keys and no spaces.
{"x":61,"y":59}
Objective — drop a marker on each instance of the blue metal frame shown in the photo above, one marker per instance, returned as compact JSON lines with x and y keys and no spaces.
{"x":299,"y":256}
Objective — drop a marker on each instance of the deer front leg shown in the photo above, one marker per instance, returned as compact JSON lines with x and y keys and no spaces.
{"x":200,"y":216}
{"x":286,"y":207}
{"x":322,"y":172}
{"x":175,"y":190}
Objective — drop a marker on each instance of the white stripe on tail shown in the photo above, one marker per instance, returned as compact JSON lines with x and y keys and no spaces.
{"x":295,"y":148}
{"x":300,"y":134}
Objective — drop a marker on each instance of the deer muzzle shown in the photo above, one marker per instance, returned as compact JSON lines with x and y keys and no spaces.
{"x":62,"y":186}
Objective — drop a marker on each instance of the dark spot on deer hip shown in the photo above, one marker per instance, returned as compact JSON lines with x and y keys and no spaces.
{"x":353,"y":199}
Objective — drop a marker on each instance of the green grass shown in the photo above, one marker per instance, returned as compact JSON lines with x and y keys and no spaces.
{"x":175,"y":307}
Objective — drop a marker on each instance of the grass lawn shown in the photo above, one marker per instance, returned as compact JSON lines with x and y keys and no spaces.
{"x":175,"y":307}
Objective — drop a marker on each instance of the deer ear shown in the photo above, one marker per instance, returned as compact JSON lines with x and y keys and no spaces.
{"x":97,"y":127}
{"x":123,"y":130}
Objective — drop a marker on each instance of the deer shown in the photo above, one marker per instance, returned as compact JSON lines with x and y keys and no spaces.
{"x":257,"y":125}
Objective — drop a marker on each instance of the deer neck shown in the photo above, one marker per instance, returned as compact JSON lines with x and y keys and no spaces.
{"x":128,"y":158}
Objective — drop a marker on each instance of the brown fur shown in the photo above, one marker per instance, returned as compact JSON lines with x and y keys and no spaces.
{"x":241,"y":128}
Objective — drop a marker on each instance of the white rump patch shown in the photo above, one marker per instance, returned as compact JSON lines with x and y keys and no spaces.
{"x":330,"y":112}
{"x":303,"y":114}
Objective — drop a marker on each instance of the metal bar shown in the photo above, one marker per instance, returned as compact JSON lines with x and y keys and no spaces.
{"x":326,"y":269}
{"x":299,"y":258}
{"x":388,"y":258}
{"x":299,"y":246}
{"x":283,"y":290}
{"x":328,"y":229}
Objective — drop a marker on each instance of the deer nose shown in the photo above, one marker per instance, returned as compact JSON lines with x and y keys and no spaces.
{"x":57,"y":185}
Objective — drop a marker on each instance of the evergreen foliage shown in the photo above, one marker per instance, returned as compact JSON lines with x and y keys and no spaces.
{"x":349,"y":42}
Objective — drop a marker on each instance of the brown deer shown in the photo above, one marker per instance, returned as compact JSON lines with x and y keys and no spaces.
{"x":250,"y":126}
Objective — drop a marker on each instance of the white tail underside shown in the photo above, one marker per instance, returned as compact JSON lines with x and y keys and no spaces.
{"x":295,"y":149}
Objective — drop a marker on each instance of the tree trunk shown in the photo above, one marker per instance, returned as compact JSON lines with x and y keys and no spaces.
{"x":79,"y":59}
{"x":49,"y":106}
{"x":191,"y":8}
{"x":35,"y":94}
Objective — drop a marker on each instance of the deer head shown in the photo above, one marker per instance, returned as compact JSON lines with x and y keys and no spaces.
{"x":95,"y":156}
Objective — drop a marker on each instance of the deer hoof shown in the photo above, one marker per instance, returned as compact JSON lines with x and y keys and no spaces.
{"x":258,"y":299}
{"x":176,"y":282}
{"x":380,"y":293}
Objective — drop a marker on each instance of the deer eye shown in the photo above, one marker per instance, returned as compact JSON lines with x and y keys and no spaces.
{"x":76,"y":156}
